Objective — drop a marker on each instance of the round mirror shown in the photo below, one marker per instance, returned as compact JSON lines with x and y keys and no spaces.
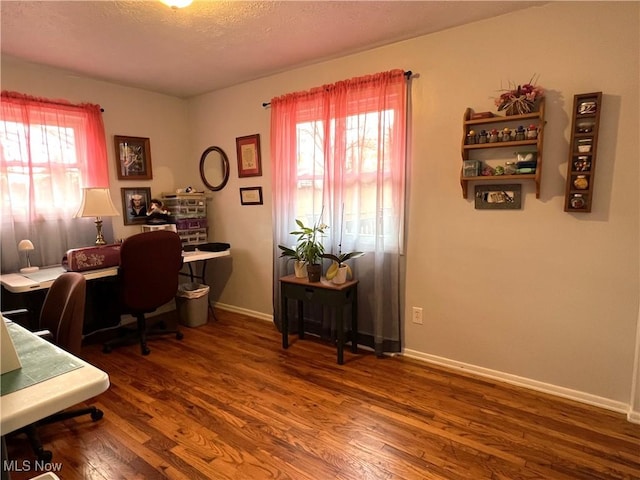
{"x":214,"y":168}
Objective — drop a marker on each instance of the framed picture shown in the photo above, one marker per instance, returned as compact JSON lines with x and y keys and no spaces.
{"x":135,"y":202}
{"x":251,"y":196}
{"x":498,"y":197}
{"x":133,"y":157}
{"x":248,"y":151}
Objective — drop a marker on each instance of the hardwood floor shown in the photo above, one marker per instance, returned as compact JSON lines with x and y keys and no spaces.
{"x":228,"y":402}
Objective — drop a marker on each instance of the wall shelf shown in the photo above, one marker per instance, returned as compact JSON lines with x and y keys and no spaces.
{"x":582,"y":152}
{"x":513,"y":121}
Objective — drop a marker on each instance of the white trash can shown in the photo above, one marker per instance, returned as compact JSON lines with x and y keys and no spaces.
{"x":192,"y":304}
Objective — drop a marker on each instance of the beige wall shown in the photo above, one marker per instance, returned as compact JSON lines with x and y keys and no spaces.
{"x":535,"y":296}
{"x":127,"y":111}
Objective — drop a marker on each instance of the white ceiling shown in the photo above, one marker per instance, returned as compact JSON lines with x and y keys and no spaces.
{"x":213,"y":44}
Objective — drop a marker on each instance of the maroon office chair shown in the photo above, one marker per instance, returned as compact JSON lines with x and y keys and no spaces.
{"x":61,"y":322}
{"x":150,"y":263}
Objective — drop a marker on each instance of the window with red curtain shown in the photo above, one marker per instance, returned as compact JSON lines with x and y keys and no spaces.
{"x":339,"y":151}
{"x":49,"y":150}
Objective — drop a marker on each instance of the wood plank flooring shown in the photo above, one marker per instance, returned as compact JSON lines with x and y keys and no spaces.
{"x":228,"y":402}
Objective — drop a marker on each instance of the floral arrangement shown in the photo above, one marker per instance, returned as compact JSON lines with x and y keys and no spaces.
{"x":520,"y":99}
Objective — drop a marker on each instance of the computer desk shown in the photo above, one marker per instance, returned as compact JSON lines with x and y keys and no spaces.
{"x":43,"y":278}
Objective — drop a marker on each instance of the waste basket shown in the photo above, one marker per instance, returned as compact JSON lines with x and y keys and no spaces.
{"x":192,"y":304}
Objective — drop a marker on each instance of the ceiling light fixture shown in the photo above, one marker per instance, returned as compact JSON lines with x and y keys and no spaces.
{"x":175,"y":4}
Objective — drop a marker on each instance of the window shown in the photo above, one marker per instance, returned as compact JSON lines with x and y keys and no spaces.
{"x":53,"y":174}
{"x":338,"y":151}
{"x":48,"y":152}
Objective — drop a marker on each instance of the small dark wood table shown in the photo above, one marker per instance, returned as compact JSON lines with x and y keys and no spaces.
{"x":324,"y":293}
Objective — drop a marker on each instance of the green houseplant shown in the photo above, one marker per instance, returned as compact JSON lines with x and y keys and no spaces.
{"x":299,"y":265}
{"x":339,"y":271}
{"x":309,"y":247}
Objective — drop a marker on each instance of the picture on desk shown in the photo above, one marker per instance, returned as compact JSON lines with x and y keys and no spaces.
{"x":135,"y":202}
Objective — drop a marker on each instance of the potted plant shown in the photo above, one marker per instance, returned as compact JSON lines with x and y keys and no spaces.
{"x":310,"y":247}
{"x":299,"y":265}
{"x":338,"y":271}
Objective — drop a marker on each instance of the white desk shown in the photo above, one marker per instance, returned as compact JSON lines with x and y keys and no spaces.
{"x":35,"y":402}
{"x":19,"y":283}
{"x":43,"y":278}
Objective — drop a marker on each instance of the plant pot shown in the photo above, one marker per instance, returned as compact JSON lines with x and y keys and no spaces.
{"x":300,"y":268}
{"x":314,"y":271}
{"x":341,"y":276}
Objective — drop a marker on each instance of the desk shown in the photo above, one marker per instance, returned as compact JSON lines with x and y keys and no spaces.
{"x":43,"y":278}
{"x":101,"y":312}
{"x":324,"y":293}
{"x":201,"y":256}
{"x":30,"y":404}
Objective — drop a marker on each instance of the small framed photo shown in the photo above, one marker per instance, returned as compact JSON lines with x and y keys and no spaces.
{"x":498,"y":197}
{"x":133,"y":157}
{"x":248,"y":151}
{"x":135,"y":202}
{"x":251,"y":196}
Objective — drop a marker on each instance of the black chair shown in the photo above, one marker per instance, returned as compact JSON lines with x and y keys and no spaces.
{"x":150,"y":263}
{"x":61,"y":321}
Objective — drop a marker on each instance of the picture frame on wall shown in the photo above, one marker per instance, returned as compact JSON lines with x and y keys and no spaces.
{"x":248,"y":152}
{"x":133,"y":158}
{"x":251,"y":196}
{"x":135,"y":204}
{"x":498,"y":197}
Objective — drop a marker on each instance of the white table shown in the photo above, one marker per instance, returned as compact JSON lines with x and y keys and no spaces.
{"x":35,"y":402}
{"x":43,"y":278}
{"x":19,"y":283}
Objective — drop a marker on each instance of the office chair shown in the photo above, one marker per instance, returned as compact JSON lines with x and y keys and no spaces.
{"x":61,"y":321}
{"x":148,"y":278}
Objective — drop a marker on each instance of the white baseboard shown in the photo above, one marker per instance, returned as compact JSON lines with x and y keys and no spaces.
{"x":244,"y":311}
{"x":563,"y":392}
{"x":583,"y":397}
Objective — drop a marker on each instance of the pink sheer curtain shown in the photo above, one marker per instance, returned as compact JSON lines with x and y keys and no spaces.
{"x":340,"y":149}
{"x":50,"y":149}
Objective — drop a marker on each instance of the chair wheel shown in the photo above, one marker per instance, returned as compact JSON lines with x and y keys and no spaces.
{"x":145,"y":350}
{"x":179,"y":335}
{"x":106,"y":349}
{"x":97,"y":415}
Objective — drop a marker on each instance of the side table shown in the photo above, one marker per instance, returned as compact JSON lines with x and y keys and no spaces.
{"x":324,"y":293}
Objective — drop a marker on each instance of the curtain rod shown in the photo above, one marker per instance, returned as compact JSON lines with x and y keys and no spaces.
{"x":407,"y":74}
{"x":12,"y":94}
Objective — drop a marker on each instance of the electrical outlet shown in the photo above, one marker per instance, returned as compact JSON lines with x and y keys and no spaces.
{"x":417,"y":315}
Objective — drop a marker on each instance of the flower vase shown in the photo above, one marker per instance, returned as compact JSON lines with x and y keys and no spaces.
{"x":314,"y":270}
{"x":300,"y":268}
{"x":341,"y":275}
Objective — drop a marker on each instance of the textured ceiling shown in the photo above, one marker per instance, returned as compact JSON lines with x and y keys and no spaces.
{"x":214,"y":44}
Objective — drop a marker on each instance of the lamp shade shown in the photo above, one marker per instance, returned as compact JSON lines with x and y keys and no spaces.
{"x":25,"y":245}
{"x":96,"y":202}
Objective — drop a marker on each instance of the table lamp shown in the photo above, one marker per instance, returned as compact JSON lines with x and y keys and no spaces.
{"x":26,"y":246}
{"x":96,"y":202}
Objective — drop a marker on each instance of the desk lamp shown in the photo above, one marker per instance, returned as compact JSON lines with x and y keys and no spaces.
{"x":96,"y":202}
{"x":26,"y":246}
